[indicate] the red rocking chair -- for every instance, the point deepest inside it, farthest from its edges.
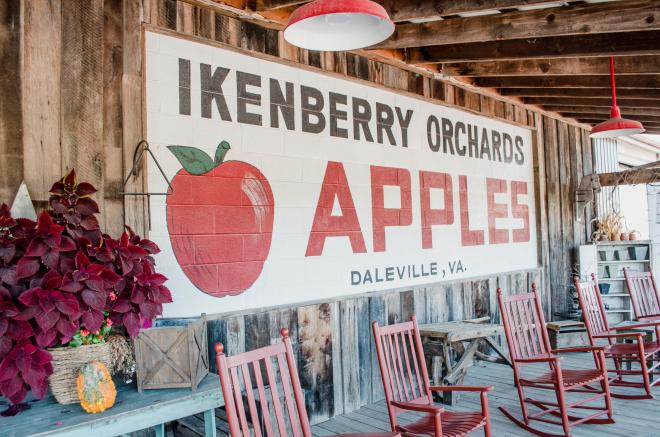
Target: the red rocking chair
(528, 341)
(639, 351)
(249, 414)
(643, 295)
(407, 388)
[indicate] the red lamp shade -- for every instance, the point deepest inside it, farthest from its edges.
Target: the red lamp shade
(334, 25)
(615, 126)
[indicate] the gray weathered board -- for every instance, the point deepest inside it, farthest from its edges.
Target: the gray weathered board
(132, 411)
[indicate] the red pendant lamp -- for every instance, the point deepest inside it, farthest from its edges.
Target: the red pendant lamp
(616, 126)
(334, 25)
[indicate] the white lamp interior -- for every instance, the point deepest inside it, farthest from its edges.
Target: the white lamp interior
(340, 31)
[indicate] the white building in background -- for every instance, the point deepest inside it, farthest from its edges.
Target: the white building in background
(640, 204)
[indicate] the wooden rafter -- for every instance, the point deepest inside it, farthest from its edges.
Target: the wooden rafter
(633, 176)
(651, 94)
(602, 102)
(647, 124)
(597, 118)
(267, 5)
(626, 112)
(634, 43)
(586, 81)
(406, 10)
(625, 65)
(620, 16)
(652, 119)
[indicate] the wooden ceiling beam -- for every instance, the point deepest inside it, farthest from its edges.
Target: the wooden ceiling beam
(624, 65)
(619, 16)
(269, 5)
(602, 117)
(406, 10)
(649, 128)
(634, 43)
(602, 102)
(587, 81)
(598, 119)
(651, 94)
(626, 112)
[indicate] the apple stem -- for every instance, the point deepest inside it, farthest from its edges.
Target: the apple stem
(221, 151)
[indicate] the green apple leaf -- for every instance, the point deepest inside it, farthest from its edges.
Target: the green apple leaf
(195, 161)
(220, 152)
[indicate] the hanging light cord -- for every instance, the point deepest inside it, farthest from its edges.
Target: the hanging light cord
(615, 112)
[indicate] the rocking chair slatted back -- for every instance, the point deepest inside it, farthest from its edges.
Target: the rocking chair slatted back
(524, 325)
(643, 294)
(593, 310)
(256, 405)
(401, 360)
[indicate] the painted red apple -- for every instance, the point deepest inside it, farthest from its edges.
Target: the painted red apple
(220, 220)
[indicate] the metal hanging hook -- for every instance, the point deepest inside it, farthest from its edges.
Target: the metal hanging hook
(140, 149)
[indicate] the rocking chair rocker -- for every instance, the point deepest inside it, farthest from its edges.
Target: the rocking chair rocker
(407, 388)
(639, 351)
(528, 341)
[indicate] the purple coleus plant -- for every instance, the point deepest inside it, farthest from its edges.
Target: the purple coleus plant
(62, 279)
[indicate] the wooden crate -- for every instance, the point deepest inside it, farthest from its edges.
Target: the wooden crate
(172, 354)
(567, 333)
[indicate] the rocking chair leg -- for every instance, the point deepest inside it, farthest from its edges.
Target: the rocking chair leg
(561, 400)
(605, 385)
(484, 412)
(617, 366)
(523, 405)
(645, 369)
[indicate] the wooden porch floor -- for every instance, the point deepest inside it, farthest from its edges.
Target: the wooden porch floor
(633, 418)
(639, 418)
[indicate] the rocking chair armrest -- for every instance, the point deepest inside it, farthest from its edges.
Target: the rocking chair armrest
(461, 388)
(639, 335)
(640, 324)
(543, 359)
(432, 409)
(568, 350)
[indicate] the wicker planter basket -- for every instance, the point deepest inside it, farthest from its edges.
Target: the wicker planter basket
(66, 363)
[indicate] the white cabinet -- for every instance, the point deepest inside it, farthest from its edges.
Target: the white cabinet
(607, 260)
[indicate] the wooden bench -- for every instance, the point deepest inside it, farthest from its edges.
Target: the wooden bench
(132, 411)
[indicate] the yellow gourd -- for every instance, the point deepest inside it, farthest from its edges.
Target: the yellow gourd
(96, 390)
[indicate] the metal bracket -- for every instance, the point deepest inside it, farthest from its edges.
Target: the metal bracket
(140, 149)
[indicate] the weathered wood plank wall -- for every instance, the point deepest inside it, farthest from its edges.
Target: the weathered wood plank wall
(72, 96)
(335, 352)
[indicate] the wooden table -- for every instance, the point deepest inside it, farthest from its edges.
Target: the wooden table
(449, 357)
(132, 411)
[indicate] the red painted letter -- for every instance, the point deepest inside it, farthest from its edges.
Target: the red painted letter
(519, 211)
(468, 237)
(495, 211)
(381, 216)
(327, 225)
(430, 217)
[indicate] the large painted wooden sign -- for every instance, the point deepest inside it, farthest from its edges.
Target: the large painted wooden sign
(292, 185)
